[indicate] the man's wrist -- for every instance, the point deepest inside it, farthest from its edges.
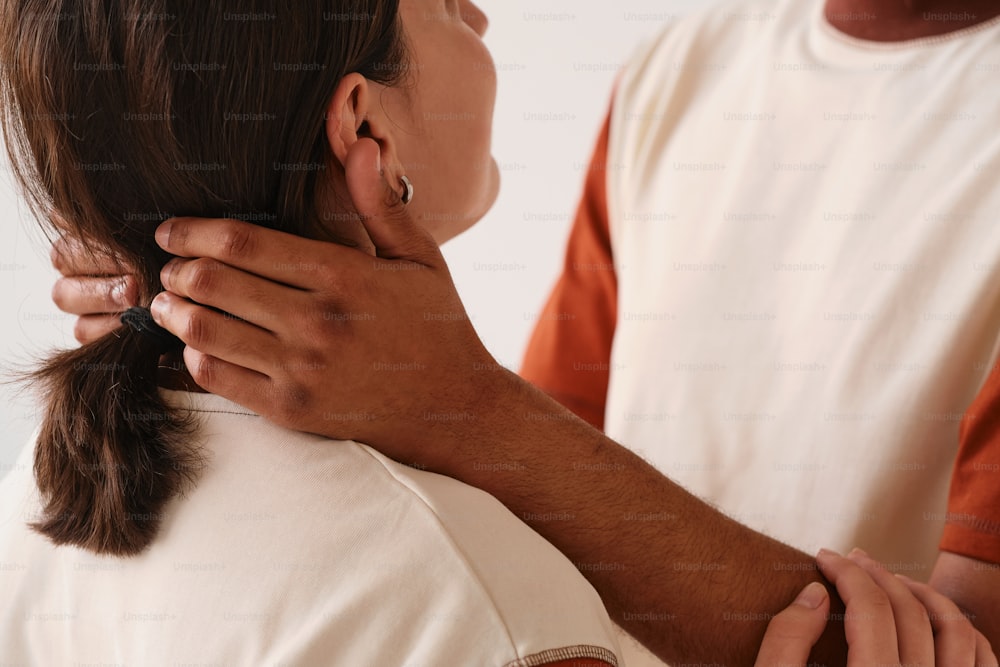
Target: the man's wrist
(486, 426)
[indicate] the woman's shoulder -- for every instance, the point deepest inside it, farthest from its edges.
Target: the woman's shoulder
(535, 590)
(476, 563)
(332, 531)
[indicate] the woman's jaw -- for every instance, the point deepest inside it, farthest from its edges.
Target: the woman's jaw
(435, 127)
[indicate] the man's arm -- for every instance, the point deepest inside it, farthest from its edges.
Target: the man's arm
(688, 582)
(691, 584)
(968, 568)
(973, 585)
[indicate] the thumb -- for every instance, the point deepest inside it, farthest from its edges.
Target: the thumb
(391, 228)
(792, 633)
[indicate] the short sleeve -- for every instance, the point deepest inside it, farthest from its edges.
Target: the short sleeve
(972, 525)
(569, 353)
(578, 663)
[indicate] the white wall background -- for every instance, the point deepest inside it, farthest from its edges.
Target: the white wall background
(553, 57)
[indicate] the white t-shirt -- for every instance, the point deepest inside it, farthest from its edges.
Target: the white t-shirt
(806, 238)
(806, 230)
(295, 550)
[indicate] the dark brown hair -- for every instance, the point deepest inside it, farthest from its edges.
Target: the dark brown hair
(119, 114)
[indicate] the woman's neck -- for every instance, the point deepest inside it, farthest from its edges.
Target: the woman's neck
(899, 20)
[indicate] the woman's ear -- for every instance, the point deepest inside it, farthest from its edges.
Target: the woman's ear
(346, 113)
(350, 116)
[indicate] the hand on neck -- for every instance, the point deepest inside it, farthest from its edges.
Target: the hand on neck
(173, 374)
(900, 20)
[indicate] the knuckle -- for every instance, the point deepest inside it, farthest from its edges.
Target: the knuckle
(291, 400)
(204, 372)
(237, 241)
(327, 274)
(202, 277)
(306, 365)
(197, 329)
(330, 320)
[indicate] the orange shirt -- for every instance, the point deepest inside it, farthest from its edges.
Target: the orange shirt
(972, 527)
(569, 353)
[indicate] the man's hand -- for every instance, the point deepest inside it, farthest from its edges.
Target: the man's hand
(314, 335)
(310, 334)
(331, 340)
(889, 621)
(93, 286)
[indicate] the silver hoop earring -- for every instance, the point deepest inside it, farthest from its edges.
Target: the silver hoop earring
(407, 190)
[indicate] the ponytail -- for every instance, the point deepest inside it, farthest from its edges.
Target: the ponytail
(112, 125)
(110, 453)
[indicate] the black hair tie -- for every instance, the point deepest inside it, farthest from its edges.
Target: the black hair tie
(141, 321)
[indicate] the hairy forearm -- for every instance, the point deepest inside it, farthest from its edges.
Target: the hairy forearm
(688, 582)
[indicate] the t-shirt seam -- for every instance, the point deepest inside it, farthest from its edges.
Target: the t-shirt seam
(967, 541)
(217, 412)
(461, 553)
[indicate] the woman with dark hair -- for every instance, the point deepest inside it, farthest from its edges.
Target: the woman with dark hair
(191, 530)
(169, 526)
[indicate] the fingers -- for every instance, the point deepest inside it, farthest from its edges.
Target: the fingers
(955, 638)
(209, 282)
(393, 231)
(238, 384)
(89, 328)
(214, 334)
(985, 657)
(93, 286)
(792, 633)
(868, 621)
(284, 258)
(71, 258)
(913, 627)
(94, 296)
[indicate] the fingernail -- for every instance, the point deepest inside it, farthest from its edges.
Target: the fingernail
(812, 596)
(163, 234)
(858, 553)
(159, 307)
(827, 553)
(118, 294)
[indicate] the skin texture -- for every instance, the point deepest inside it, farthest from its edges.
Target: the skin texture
(351, 308)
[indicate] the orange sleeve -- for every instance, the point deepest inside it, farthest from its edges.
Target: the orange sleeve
(569, 353)
(972, 526)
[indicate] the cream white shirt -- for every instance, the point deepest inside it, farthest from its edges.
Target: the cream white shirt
(295, 550)
(806, 233)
